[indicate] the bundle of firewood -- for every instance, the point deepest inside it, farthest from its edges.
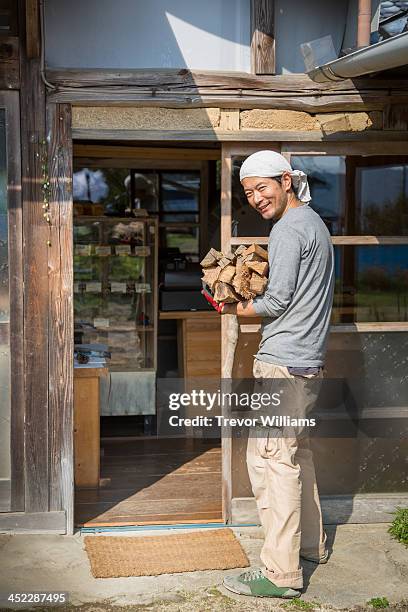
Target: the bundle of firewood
(238, 275)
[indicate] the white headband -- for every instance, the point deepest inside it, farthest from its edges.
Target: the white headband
(269, 164)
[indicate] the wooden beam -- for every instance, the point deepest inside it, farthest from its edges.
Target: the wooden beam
(336, 240)
(240, 99)
(61, 324)
(263, 36)
(33, 522)
(343, 328)
(376, 137)
(9, 62)
(336, 509)
(35, 237)
(197, 89)
(364, 240)
(186, 80)
(33, 36)
(146, 153)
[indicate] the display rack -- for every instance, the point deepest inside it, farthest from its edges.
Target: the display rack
(115, 302)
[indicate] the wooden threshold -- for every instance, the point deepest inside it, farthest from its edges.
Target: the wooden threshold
(154, 482)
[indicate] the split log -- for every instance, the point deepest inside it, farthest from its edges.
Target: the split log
(231, 256)
(258, 284)
(225, 293)
(255, 248)
(242, 281)
(211, 258)
(227, 274)
(252, 257)
(239, 250)
(211, 275)
(260, 267)
(237, 276)
(224, 261)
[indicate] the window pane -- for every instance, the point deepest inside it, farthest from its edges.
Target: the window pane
(382, 200)
(371, 283)
(179, 218)
(108, 187)
(372, 369)
(180, 191)
(146, 190)
(326, 175)
(114, 290)
(5, 400)
(185, 239)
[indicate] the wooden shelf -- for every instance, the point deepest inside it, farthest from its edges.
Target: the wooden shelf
(189, 314)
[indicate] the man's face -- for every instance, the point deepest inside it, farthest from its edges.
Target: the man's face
(266, 195)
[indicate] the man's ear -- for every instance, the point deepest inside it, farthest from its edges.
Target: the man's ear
(286, 181)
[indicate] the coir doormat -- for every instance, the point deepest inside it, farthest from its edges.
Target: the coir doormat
(115, 557)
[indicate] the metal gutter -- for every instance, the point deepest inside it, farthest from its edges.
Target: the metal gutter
(390, 53)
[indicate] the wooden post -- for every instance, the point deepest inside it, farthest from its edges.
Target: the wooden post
(263, 38)
(35, 236)
(33, 36)
(229, 334)
(61, 324)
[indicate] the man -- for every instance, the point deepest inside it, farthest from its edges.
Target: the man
(295, 308)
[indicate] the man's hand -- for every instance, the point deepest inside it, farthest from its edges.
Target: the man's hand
(228, 309)
(242, 309)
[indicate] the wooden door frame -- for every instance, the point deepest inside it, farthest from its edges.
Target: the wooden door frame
(61, 322)
(61, 260)
(10, 102)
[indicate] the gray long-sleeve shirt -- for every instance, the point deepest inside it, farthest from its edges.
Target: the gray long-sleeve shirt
(296, 305)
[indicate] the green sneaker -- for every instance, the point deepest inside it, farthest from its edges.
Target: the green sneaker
(253, 582)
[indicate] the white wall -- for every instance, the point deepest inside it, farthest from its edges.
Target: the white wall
(210, 34)
(301, 21)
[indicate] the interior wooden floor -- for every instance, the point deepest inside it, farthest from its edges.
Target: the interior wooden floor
(153, 481)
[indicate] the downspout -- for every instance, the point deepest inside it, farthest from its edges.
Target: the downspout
(364, 23)
(385, 55)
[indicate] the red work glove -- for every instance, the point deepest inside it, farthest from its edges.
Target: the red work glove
(210, 300)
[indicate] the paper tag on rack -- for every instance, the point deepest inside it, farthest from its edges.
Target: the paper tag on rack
(118, 287)
(102, 251)
(101, 323)
(76, 287)
(93, 287)
(122, 249)
(142, 287)
(142, 251)
(83, 249)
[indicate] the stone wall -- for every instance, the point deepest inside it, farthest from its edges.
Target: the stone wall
(219, 120)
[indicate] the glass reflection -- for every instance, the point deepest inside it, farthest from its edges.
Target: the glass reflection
(5, 399)
(371, 283)
(327, 179)
(382, 200)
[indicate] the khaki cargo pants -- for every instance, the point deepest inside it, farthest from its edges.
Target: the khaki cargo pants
(283, 480)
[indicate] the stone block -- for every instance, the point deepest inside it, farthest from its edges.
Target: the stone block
(264, 119)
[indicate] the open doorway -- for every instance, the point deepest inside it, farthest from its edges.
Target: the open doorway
(143, 219)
